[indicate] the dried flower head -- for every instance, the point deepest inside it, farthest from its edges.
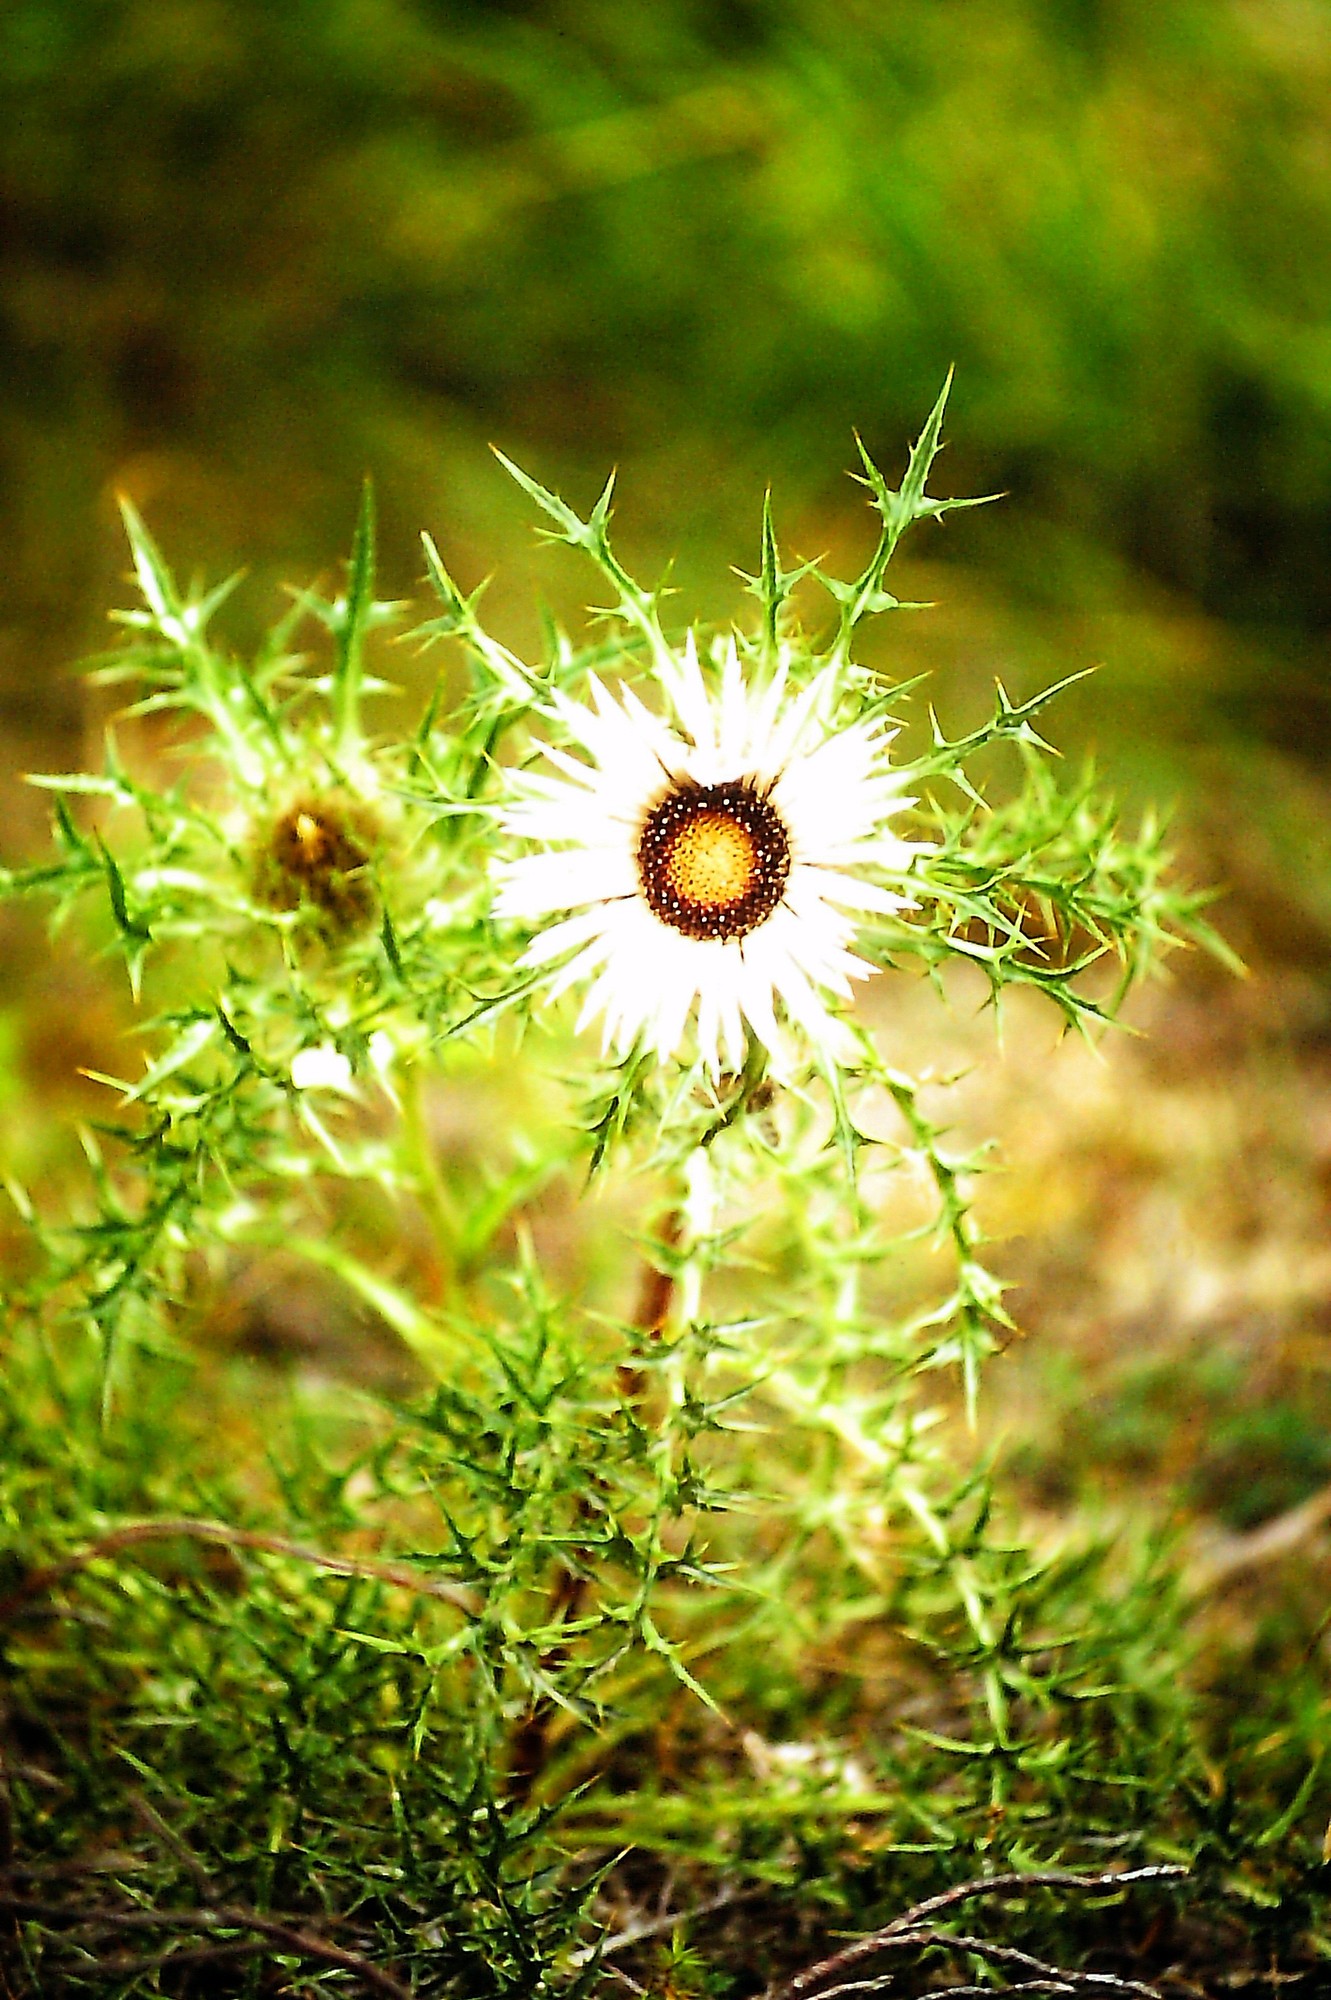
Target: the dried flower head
(317, 854)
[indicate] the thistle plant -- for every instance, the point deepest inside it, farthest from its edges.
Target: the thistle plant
(413, 1706)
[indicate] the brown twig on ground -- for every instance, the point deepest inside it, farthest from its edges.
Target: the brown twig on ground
(1231, 1555)
(107, 1861)
(661, 1926)
(9, 1931)
(133, 1533)
(911, 1932)
(130, 1965)
(290, 1935)
(265, 1930)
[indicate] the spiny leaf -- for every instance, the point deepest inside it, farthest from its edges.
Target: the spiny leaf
(570, 527)
(637, 607)
(154, 578)
(1009, 722)
(115, 883)
(503, 671)
(191, 1042)
(897, 509)
(773, 585)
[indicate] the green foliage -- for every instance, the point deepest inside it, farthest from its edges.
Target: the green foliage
(256, 249)
(401, 1708)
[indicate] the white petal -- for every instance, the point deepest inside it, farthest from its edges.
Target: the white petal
(849, 890)
(677, 991)
(690, 700)
(805, 1008)
(554, 941)
(321, 1068)
(755, 997)
(544, 883)
(790, 727)
(708, 1028)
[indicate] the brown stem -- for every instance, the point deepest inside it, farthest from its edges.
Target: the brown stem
(1038, 1878)
(662, 1926)
(1232, 1555)
(130, 1965)
(221, 1917)
(530, 1748)
(9, 1928)
(656, 1295)
(909, 1932)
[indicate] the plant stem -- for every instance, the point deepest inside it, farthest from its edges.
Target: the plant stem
(431, 1188)
(657, 1285)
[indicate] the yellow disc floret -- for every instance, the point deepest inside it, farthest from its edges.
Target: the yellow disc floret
(712, 860)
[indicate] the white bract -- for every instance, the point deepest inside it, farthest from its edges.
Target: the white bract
(722, 855)
(321, 1068)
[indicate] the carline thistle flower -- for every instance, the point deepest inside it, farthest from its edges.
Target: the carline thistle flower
(719, 855)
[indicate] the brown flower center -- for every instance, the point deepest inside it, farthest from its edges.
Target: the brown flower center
(317, 854)
(713, 860)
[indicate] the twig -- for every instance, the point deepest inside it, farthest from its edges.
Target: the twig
(997, 1993)
(10, 1930)
(1058, 1979)
(34, 1774)
(183, 1853)
(221, 1917)
(618, 1972)
(660, 1926)
(136, 1532)
(910, 1933)
(1037, 1878)
(130, 1966)
(884, 1980)
(1235, 1553)
(109, 1861)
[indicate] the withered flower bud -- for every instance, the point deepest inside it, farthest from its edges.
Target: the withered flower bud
(317, 855)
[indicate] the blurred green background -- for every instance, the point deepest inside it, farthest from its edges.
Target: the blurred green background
(249, 251)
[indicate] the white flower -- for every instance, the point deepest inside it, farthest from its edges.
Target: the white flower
(321, 1068)
(710, 857)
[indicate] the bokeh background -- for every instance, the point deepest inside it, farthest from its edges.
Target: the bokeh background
(249, 252)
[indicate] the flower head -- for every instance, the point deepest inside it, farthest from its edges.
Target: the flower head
(316, 854)
(715, 856)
